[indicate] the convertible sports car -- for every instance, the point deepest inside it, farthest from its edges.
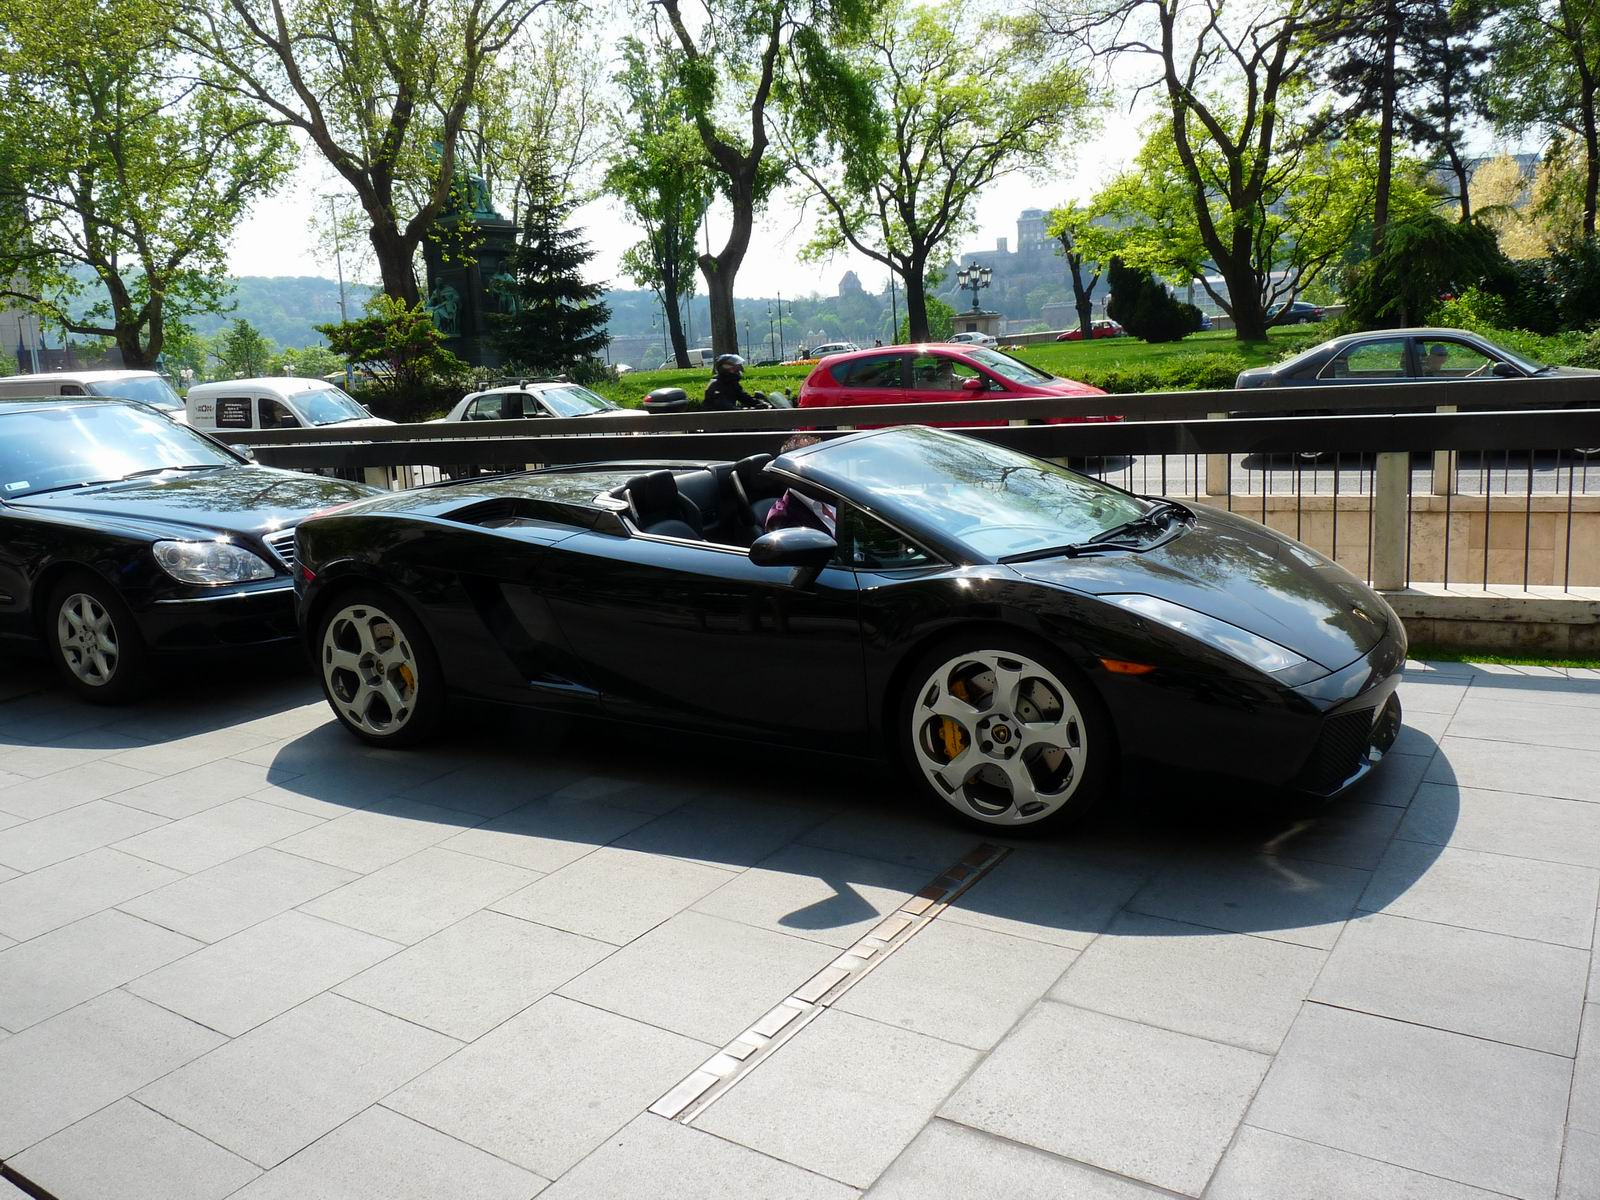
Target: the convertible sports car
(124, 536)
(1009, 628)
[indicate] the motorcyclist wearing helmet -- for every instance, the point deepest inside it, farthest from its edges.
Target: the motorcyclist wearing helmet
(725, 392)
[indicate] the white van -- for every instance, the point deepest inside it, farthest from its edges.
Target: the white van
(144, 386)
(276, 402)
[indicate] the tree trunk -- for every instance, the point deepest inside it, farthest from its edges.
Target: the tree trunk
(1245, 306)
(395, 265)
(719, 300)
(1591, 162)
(1387, 87)
(1083, 297)
(1459, 168)
(680, 344)
(134, 355)
(720, 271)
(916, 306)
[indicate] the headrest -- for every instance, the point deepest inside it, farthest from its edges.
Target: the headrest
(654, 491)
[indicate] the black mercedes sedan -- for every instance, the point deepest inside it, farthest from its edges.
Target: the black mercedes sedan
(125, 537)
(1010, 630)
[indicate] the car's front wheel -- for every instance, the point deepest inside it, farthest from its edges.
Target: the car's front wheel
(95, 641)
(379, 670)
(1007, 734)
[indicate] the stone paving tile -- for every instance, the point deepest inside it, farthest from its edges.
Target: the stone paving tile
(6, 819)
(1393, 782)
(1432, 697)
(173, 756)
(1505, 823)
(1347, 833)
(1045, 897)
(1487, 985)
(1577, 693)
(420, 895)
(186, 793)
(723, 831)
(1580, 1166)
(1138, 1101)
(30, 798)
(370, 839)
(666, 1161)
(1548, 902)
(1473, 1111)
(1420, 732)
(197, 843)
(77, 962)
(549, 833)
(127, 1152)
(640, 793)
(235, 984)
(497, 786)
(43, 900)
(1488, 717)
(551, 1084)
(1244, 991)
(843, 1098)
(1289, 900)
(959, 983)
(64, 753)
(465, 980)
(702, 976)
(381, 1155)
(1511, 767)
(283, 1085)
(1584, 1112)
(614, 895)
(911, 836)
(952, 1160)
(49, 840)
(237, 894)
(63, 1069)
(1261, 1164)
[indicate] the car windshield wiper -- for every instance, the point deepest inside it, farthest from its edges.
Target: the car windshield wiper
(161, 470)
(1070, 550)
(1152, 519)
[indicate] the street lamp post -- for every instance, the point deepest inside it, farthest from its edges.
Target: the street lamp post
(894, 312)
(973, 276)
(749, 346)
(338, 266)
(772, 335)
(781, 353)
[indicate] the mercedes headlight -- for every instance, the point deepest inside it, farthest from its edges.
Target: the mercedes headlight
(210, 563)
(1247, 647)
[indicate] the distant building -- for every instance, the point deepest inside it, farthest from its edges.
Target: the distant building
(850, 285)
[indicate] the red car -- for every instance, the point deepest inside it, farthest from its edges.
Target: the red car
(1100, 329)
(932, 373)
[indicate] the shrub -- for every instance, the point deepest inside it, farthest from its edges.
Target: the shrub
(1143, 306)
(416, 369)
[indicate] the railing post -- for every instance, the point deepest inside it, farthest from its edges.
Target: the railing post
(377, 477)
(1218, 466)
(1391, 493)
(1444, 464)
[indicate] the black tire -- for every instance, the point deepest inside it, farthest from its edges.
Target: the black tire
(98, 649)
(1067, 790)
(384, 642)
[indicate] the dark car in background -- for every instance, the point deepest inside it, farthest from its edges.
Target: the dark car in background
(1422, 355)
(125, 537)
(1298, 312)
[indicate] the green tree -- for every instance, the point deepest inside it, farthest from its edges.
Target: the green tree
(400, 352)
(1422, 258)
(1073, 228)
(559, 322)
(242, 352)
(660, 174)
(382, 89)
(941, 323)
(115, 170)
(951, 103)
(307, 362)
(1141, 304)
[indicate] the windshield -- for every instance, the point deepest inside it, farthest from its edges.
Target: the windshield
(1520, 360)
(45, 449)
(995, 501)
(573, 401)
(327, 406)
(146, 389)
(1007, 367)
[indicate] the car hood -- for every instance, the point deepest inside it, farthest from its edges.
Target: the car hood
(254, 500)
(1246, 575)
(1569, 373)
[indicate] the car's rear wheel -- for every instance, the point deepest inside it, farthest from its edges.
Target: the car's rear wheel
(95, 642)
(1006, 734)
(379, 670)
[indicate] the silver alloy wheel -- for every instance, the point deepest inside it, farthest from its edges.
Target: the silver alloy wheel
(370, 669)
(1000, 737)
(87, 637)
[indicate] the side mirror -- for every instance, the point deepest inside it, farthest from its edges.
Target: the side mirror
(1504, 370)
(244, 451)
(806, 550)
(976, 384)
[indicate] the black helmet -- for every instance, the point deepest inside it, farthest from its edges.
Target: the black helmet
(727, 363)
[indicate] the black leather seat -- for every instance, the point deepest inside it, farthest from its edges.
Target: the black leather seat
(657, 507)
(757, 490)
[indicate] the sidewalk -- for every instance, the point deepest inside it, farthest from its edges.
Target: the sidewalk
(242, 956)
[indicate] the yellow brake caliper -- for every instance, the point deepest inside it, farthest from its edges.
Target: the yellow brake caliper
(950, 732)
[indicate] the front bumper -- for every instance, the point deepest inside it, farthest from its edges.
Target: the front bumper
(261, 615)
(1361, 720)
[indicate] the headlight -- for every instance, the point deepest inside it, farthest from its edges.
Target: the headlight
(1247, 647)
(210, 563)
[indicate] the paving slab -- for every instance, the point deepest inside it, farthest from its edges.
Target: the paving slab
(62, 968)
(1432, 695)
(236, 984)
(1346, 833)
(1512, 767)
(197, 843)
(1394, 782)
(551, 1084)
(47, 899)
(1046, 897)
(30, 799)
(63, 1069)
(667, 1161)
(174, 756)
(843, 1098)
(1244, 991)
(1473, 1111)
(285, 1084)
(206, 785)
(723, 831)
(614, 895)
(1147, 1103)
(911, 835)
(1420, 732)
(381, 1155)
(1261, 1164)
(702, 976)
(64, 753)
(465, 980)
(127, 1152)
(952, 1160)
(549, 833)
(47, 840)
(237, 894)
(1524, 826)
(497, 786)
(369, 839)
(1506, 989)
(420, 895)
(1580, 1166)
(1547, 902)
(1584, 1112)
(1488, 717)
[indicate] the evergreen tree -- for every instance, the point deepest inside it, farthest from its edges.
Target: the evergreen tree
(559, 323)
(1141, 304)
